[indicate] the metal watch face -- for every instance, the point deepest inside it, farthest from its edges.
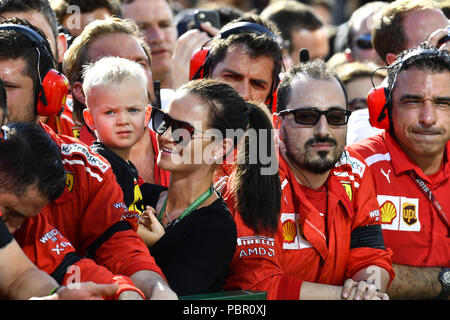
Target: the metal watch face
(446, 277)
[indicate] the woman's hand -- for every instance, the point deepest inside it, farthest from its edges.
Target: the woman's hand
(150, 229)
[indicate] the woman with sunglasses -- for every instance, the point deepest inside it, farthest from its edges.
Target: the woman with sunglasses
(192, 235)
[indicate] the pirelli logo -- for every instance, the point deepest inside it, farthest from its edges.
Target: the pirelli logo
(255, 246)
(243, 241)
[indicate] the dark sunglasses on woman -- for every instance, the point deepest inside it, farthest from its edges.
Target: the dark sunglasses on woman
(161, 121)
(364, 42)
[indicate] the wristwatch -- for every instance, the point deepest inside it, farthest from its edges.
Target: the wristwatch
(444, 279)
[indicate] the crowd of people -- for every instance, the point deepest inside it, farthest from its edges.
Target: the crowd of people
(155, 149)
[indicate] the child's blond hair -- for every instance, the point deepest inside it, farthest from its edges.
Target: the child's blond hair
(112, 71)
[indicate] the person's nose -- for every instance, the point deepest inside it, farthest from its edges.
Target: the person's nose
(123, 118)
(427, 116)
(153, 34)
(245, 90)
(321, 129)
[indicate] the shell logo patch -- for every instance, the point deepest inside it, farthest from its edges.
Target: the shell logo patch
(289, 231)
(388, 212)
(399, 213)
(409, 213)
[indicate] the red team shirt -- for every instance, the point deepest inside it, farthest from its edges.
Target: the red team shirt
(91, 214)
(412, 227)
(52, 253)
(310, 245)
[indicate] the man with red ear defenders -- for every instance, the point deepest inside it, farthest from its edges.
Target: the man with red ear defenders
(247, 55)
(410, 164)
(51, 86)
(90, 212)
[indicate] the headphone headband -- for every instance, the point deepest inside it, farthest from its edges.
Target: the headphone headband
(245, 27)
(35, 38)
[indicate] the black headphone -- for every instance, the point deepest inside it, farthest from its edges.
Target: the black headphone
(53, 85)
(200, 60)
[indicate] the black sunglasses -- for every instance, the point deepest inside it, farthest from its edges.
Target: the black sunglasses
(357, 103)
(364, 42)
(161, 121)
(311, 116)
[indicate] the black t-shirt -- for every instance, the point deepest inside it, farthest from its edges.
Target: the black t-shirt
(195, 252)
(5, 236)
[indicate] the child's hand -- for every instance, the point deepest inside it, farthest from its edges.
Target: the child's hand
(150, 229)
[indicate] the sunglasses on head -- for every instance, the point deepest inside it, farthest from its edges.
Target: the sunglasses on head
(364, 42)
(311, 116)
(161, 121)
(357, 103)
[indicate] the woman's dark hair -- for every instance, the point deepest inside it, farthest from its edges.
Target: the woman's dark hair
(255, 183)
(29, 157)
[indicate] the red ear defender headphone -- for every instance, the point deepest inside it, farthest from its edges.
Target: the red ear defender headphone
(53, 85)
(199, 63)
(379, 99)
(377, 103)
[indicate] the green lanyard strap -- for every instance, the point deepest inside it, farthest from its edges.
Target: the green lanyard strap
(194, 205)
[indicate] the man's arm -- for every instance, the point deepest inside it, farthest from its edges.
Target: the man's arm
(19, 278)
(368, 284)
(415, 283)
(153, 285)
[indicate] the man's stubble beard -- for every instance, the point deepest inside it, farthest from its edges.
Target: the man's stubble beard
(303, 157)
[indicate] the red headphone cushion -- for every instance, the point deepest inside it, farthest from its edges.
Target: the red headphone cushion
(376, 103)
(56, 88)
(197, 62)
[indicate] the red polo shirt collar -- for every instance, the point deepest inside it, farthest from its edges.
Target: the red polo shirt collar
(401, 162)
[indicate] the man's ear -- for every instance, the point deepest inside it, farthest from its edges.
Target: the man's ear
(276, 119)
(61, 43)
(277, 123)
(390, 58)
(148, 113)
(78, 93)
(87, 115)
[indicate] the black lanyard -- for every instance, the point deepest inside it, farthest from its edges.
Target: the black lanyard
(429, 194)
